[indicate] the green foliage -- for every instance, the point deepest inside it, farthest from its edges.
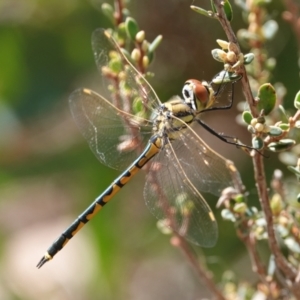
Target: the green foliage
(108, 11)
(247, 117)
(297, 101)
(266, 98)
(132, 28)
(202, 11)
(228, 10)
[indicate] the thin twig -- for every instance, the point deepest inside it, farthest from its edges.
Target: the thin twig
(250, 242)
(295, 118)
(259, 171)
(232, 38)
(257, 265)
(203, 274)
(262, 189)
(248, 239)
(118, 15)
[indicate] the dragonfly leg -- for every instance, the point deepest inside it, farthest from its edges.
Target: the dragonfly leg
(225, 138)
(228, 106)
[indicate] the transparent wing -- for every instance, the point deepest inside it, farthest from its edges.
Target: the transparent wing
(222, 84)
(205, 168)
(115, 137)
(170, 197)
(127, 89)
(180, 171)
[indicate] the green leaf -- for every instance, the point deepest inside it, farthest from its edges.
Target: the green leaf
(150, 56)
(121, 34)
(206, 13)
(257, 143)
(295, 170)
(239, 198)
(270, 65)
(282, 145)
(282, 230)
(163, 227)
(248, 58)
(272, 266)
(292, 245)
(266, 98)
(219, 55)
(240, 208)
(155, 44)
(251, 129)
(225, 76)
(297, 101)
(247, 117)
(269, 29)
(108, 11)
(228, 215)
(137, 105)
(228, 10)
(213, 8)
(284, 126)
(115, 65)
(276, 204)
(152, 47)
(275, 131)
(132, 28)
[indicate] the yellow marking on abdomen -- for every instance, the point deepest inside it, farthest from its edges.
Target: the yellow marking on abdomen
(80, 225)
(132, 171)
(115, 189)
(97, 208)
(65, 242)
(152, 151)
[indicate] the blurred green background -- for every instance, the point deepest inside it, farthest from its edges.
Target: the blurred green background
(48, 174)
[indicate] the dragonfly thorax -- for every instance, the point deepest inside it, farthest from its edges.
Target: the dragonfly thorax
(172, 117)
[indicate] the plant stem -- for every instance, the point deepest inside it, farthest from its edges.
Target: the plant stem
(232, 38)
(118, 15)
(259, 172)
(202, 273)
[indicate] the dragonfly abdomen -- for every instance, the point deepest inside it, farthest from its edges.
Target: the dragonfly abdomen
(151, 150)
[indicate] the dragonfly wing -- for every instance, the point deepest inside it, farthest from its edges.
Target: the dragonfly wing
(206, 169)
(170, 196)
(116, 138)
(128, 88)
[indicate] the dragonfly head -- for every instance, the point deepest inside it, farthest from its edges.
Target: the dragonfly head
(196, 94)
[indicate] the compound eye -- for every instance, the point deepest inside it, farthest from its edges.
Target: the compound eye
(200, 91)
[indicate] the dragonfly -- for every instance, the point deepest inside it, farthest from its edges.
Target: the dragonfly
(131, 129)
